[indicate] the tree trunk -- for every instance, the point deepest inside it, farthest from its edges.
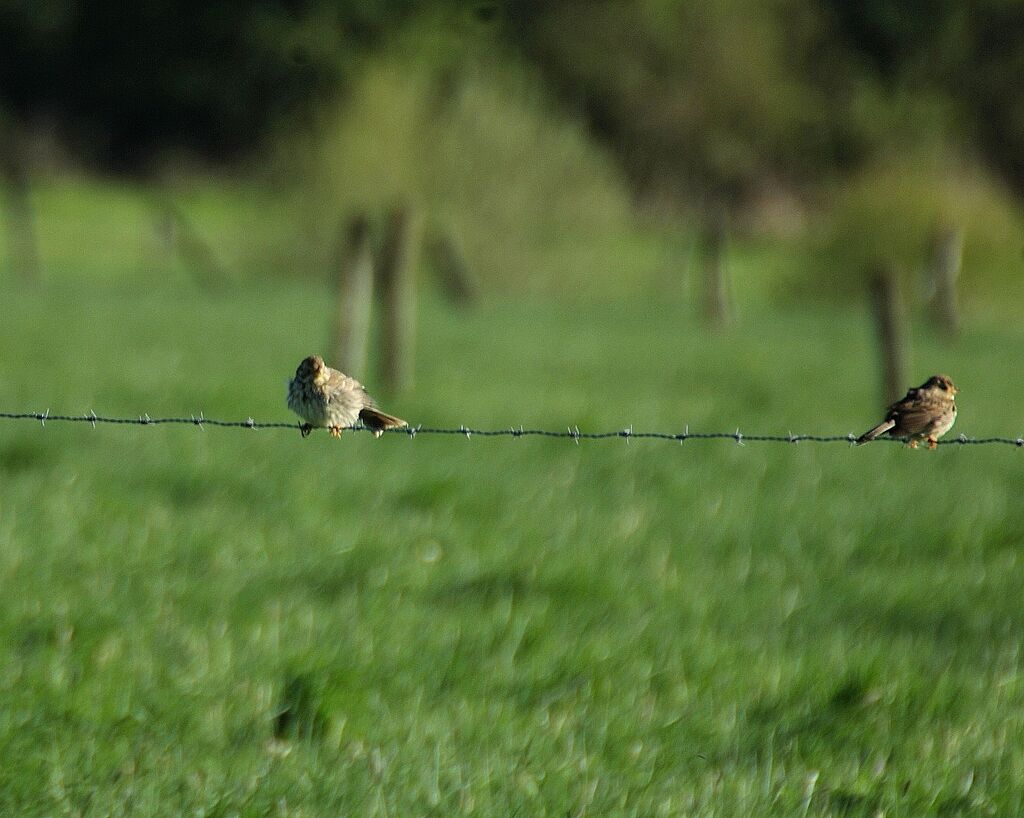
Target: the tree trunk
(398, 289)
(892, 332)
(174, 226)
(355, 297)
(22, 245)
(717, 303)
(945, 263)
(449, 265)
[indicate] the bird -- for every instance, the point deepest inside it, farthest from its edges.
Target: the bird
(927, 412)
(326, 398)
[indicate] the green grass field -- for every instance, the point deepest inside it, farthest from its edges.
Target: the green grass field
(227, 622)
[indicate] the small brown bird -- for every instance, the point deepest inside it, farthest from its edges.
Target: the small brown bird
(326, 398)
(926, 413)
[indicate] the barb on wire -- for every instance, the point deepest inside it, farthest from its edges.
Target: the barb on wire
(571, 432)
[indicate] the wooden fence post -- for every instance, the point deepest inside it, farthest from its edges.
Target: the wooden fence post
(717, 304)
(398, 288)
(181, 236)
(945, 262)
(892, 331)
(354, 297)
(449, 265)
(22, 244)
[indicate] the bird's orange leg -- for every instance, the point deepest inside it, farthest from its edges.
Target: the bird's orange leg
(912, 444)
(335, 431)
(933, 443)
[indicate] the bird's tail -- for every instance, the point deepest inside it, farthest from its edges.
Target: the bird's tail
(880, 429)
(378, 422)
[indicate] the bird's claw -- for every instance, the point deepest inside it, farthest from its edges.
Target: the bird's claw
(335, 431)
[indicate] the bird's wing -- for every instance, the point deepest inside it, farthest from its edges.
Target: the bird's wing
(339, 380)
(914, 416)
(342, 389)
(905, 403)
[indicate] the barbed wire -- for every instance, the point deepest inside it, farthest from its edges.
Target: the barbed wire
(571, 432)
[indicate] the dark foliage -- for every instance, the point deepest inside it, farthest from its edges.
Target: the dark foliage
(707, 99)
(124, 80)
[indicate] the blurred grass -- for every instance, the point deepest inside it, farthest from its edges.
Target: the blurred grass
(231, 622)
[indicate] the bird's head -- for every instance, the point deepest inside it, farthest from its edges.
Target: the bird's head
(941, 383)
(311, 368)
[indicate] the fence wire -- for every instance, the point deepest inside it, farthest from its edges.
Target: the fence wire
(570, 433)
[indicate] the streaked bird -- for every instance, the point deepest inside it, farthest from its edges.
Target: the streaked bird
(328, 399)
(925, 413)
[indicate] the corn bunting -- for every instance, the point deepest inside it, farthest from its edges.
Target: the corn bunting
(326, 398)
(926, 413)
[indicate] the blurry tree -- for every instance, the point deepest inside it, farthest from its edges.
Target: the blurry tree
(705, 101)
(972, 54)
(716, 98)
(450, 118)
(702, 99)
(15, 203)
(993, 87)
(123, 80)
(892, 211)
